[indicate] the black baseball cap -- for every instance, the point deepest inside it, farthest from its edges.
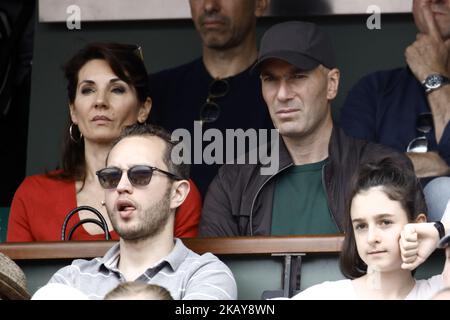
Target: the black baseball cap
(301, 44)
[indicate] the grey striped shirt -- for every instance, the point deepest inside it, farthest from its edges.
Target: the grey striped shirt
(184, 273)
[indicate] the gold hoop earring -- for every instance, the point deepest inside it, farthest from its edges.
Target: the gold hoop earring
(71, 135)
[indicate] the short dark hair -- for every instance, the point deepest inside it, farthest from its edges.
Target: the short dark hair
(145, 129)
(133, 288)
(399, 183)
(126, 62)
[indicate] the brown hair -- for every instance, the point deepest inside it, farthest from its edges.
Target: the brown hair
(126, 62)
(134, 289)
(138, 129)
(399, 183)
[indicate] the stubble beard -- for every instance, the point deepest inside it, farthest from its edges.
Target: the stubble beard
(221, 39)
(151, 222)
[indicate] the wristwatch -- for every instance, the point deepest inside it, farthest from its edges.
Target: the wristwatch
(434, 81)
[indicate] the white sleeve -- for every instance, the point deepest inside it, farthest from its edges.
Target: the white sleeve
(312, 293)
(446, 215)
(328, 290)
(426, 288)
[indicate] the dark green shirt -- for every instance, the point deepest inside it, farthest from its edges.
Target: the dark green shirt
(300, 204)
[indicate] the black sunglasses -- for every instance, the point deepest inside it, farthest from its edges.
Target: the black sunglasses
(424, 125)
(210, 111)
(139, 176)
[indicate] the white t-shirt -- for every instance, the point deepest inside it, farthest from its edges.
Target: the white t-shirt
(343, 290)
(444, 242)
(446, 215)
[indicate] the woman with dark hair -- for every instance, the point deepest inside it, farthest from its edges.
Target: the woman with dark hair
(107, 90)
(386, 236)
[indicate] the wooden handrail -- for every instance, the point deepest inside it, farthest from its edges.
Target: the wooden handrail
(217, 246)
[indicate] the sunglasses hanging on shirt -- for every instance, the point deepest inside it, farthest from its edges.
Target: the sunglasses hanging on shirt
(210, 110)
(424, 125)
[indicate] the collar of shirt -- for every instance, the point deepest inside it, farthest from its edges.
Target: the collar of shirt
(175, 258)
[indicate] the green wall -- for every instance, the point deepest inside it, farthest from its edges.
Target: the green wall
(253, 274)
(170, 43)
(4, 214)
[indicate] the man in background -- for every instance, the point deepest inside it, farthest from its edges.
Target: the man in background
(216, 90)
(408, 108)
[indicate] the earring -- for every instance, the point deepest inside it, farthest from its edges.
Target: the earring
(103, 203)
(71, 135)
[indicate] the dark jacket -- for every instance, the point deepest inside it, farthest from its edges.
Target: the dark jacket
(383, 107)
(239, 200)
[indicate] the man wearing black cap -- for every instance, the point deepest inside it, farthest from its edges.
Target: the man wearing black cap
(308, 193)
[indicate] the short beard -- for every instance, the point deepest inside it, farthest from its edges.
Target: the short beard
(152, 222)
(228, 40)
(215, 43)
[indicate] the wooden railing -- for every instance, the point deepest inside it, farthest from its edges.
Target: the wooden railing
(217, 246)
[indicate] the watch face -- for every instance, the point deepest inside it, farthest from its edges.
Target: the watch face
(433, 81)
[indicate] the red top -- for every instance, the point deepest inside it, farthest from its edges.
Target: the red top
(41, 204)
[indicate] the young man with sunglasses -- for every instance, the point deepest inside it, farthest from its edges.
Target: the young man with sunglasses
(143, 188)
(216, 90)
(309, 192)
(409, 108)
